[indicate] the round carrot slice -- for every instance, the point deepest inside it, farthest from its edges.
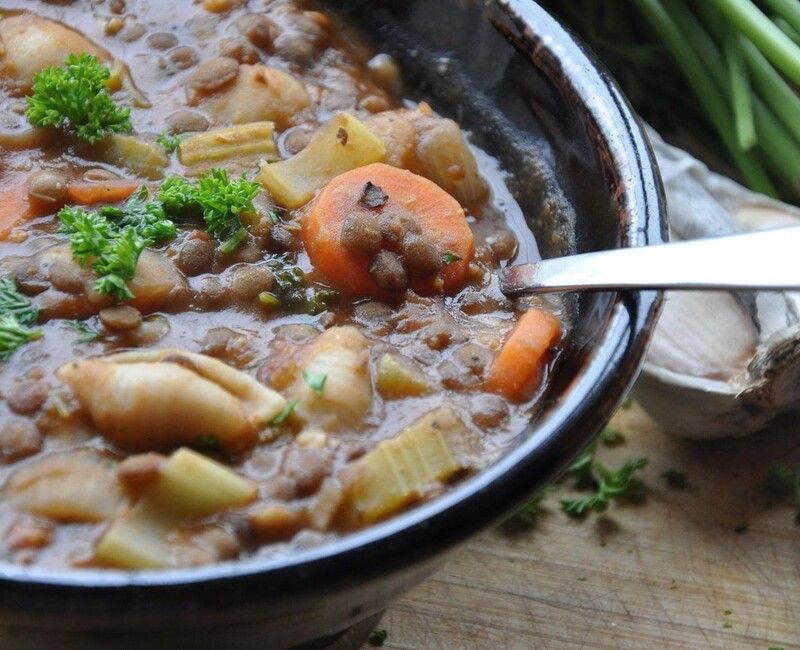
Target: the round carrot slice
(518, 365)
(438, 215)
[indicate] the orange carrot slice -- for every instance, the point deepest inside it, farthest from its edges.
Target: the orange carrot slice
(107, 192)
(518, 366)
(14, 207)
(439, 216)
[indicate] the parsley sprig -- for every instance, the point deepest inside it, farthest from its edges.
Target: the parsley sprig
(17, 315)
(113, 239)
(75, 95)
(220, 200)
(611, 484)
(783, 482)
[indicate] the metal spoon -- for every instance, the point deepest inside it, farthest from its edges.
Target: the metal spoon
(767, 260)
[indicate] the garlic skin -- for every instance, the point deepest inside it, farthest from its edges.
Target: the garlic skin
(720, 364)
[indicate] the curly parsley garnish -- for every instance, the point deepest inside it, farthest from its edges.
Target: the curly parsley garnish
(75, 96)
(616, 484)
(17, 315)
(169, 142)
(220, 200)
(114, 238)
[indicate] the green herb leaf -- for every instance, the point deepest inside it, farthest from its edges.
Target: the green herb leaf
(14, 334)
(75, 95)
(89, 232)
(315, 380)
(223, 201)
(378, 637)
(674, 478)
(13, 303)
(618, 484)
(117, 263)
(148, 218)
(285, 413)
(448, 257)
(291, 287)
(612, 437)
(85, 333)
(169, 142)
(232, 243)
(582, 468)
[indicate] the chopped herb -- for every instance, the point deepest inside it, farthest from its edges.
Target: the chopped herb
(220, 200)
(208, 442)
(617, 484)
(85, 333)
(13, 303)
(776, 647)
(291, 288)
(315, 380)
(148, 218)
(169, 142)
(373, 196)
(674, 478)
(232, 243)
(782, 482)
(223, 201)
(378, 637)
(741, 527)
(14, 334)
(582, 468)
(286, 411)
(117, 264)
(269, 299)
(178, 196)
(273, 216)
(114, 237)
(728, 612)
(611, 437)
(448, 257)
(17, 315)
(75, 95)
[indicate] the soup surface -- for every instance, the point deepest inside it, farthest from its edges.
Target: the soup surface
(247, 300)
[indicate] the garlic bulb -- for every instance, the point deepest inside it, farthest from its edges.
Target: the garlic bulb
(720, 364)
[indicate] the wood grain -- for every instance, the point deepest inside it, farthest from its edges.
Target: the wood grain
(668, 573)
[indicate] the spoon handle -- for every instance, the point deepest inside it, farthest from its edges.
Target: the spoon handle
(765, 260)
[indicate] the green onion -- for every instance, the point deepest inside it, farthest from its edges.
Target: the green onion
(704, 87)
(776, 46)
(741, 96)
(788, 10)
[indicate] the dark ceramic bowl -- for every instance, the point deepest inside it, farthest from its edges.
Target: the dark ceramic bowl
(582, 169)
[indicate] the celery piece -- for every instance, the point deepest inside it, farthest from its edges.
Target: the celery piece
(239, 141)
(342, 144)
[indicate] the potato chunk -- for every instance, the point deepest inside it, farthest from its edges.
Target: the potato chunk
(189, 487)
(259, 93)
(142, 401)
(342, 144)
(30, 43)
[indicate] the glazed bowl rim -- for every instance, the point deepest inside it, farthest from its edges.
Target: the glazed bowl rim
(595, 391)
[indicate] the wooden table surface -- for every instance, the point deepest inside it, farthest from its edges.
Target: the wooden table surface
(668, 573)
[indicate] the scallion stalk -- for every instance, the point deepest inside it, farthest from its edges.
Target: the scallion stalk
(767, 36)
(789, 10)
(741, 94)
(707, 91)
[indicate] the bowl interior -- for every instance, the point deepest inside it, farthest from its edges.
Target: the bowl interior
(582, 171)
